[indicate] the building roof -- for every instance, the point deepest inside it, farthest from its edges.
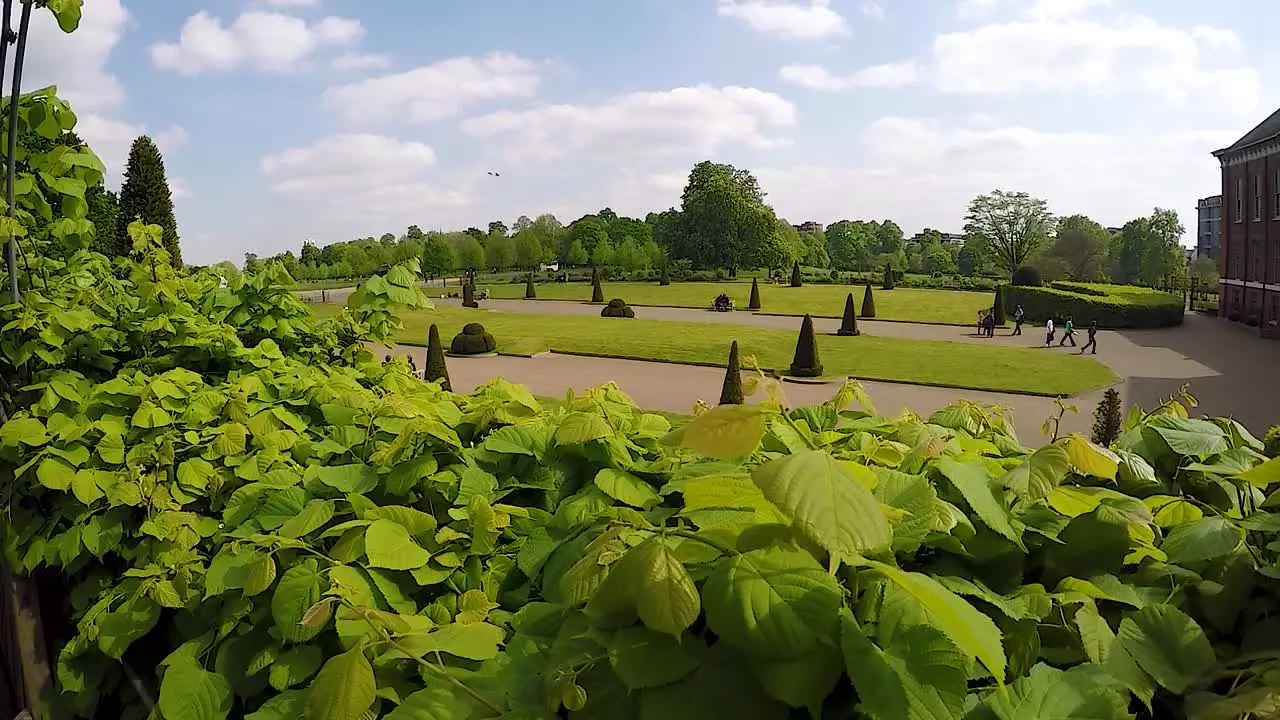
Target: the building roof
(1265, 130)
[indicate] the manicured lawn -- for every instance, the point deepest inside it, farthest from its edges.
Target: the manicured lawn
(985, 367)
(918, 305)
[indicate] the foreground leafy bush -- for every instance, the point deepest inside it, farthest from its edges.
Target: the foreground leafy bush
(1112, 306)
(473, 339)
(253, 531)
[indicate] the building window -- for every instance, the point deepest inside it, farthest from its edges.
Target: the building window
(1257, 197)
(1275, 197)
(1239, 198)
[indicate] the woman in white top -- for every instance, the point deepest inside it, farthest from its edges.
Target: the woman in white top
(1048, 336)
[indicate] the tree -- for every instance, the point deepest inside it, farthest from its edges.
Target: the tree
(1010, 224)
(849, 323)
(145, 195)
(521, 224)
(1081, 245)
(1147, 250)
(527, 248)
(467, 251)
(597, 293)
(888, 277)
(602, 255)
(589, 231)
(437, 256)
(577, 254)
(1205, 272)
(1108, 418)
(731, 391)
(530, 292)
(849, 244)
(754, 303)
(796, 279)
(103, 213)
(497, 227)
(889, 237)
(868, 303)
(499, 252)
(663, 277)
(724, 217)
(435, 367)
(805, 362)
(778, 249)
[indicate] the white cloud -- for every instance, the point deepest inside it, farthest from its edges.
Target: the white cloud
(873, 9)
(816, 77)
(789, 19)
(437, 91)
(970, 9)
(268, 41)
(291, 3)
(688, 121)
(361, 61)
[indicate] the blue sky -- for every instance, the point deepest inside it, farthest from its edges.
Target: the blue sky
(283, 120)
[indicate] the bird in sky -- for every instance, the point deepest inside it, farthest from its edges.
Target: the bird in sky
(494, 174)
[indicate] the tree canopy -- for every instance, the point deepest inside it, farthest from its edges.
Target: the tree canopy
(1011, 224)
(145, 195)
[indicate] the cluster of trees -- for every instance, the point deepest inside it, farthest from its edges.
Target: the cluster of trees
(725, 222)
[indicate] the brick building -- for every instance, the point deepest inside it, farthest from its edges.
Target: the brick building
(1249, 256)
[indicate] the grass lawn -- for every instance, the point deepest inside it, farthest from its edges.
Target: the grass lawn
(914, 304)
(978, 366)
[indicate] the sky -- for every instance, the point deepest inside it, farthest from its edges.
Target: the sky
(287, 120)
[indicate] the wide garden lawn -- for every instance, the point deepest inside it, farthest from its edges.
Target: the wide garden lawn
(913, 304)
(978, 366)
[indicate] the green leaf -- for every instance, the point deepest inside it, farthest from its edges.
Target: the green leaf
(151, 416)
(1193, 438)
(389, 545)
(312, 518)
(279, 507)
(434, 703)
(1088, 458)
(475, 641)
(55, 473)
(719, 688)
(289, 705)
(923, 675)
(1205, 539)
(344, 689)
(260, 574)
(726, 432)
(626, 488)
(1263, 474)
(772, 603)
(974, 484)
(651, 582)
(971, 631)
(299, 589)
(1040, 474)
(354, 478)
(829, 506)
(643, 658)
(194, 472)
(67, 12)
(578, 428)
(1168, 645)
(189, 692)
(85, 486)
(1096, 635)
(802, 682)
(27, 431)
(1084, 691)
(294, 666)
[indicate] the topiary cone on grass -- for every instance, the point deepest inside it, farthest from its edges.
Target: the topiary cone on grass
(663, 277)
(597, 294)
(731, 392)
(1107, 418)
(888, 277)
(868, 303)
(795, 275)
(998, 305)
(529, 292)
(436, 368)
(754, 303)
(849, 323)
(806, 363)
(469, 296)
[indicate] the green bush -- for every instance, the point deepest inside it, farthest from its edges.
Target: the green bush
(796, 280)
(436, 369)
(888, 280)
(597, 293)
(1108, 418)
(754, 302)
(617, 308)
(473, 340)
(530, 293)
(1120, 306)
(1271, 441)
(1027, 276)
(805, 362)
(868, 303)
(731, 390)
(849, 321)
(997, 305)
(469, 295)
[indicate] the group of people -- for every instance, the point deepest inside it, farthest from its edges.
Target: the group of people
(412, 365)
(987, 328)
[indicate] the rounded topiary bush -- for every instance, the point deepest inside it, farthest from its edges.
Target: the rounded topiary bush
(473, 340)
(617, 307)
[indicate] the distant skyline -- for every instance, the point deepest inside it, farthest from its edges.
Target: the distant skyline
(282, 120)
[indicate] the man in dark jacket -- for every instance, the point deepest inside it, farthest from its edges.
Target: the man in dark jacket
(1092, 345)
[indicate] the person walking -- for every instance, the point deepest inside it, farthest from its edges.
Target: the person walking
(1048, 333)
(1068, 333)
(1092, 345)
(982, 319)
(990, 324)
(1018, 316)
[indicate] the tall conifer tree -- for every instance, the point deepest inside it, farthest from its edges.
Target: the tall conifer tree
(145, 194)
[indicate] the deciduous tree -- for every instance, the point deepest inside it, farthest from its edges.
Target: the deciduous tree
(1081, 244)
(724, 216)
(437, 255)
(1011, 225)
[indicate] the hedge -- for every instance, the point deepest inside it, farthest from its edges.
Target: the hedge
(1112, 306)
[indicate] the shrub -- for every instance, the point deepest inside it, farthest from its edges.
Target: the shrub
(1271, 441)
(805, 362)
(529, 292)
(617, 308)
(795, 275)
(1027, 276)
(754, 303)
(469, 295)
(731, 391)
(997, 305)
(849, 323)
(473, 340)
(1108, 418)
(664, 278)
(1078, 288)
(436, 369)
(597, 293)
(1121, 306)
(868, 303)
(888, 278)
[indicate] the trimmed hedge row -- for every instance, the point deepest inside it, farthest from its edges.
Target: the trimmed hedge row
(1113, 307)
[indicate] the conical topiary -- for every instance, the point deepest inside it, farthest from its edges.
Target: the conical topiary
(1108, 418)
(795, 275)
(529, 292)
(754, 303)
(805, 363)
(597, 294)
(436, 369)
(868, 303)
(731, 392)
(469, 296)
(145, 195)
(888, 277)
(998, 305)
(663, 277)
(849, 323)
